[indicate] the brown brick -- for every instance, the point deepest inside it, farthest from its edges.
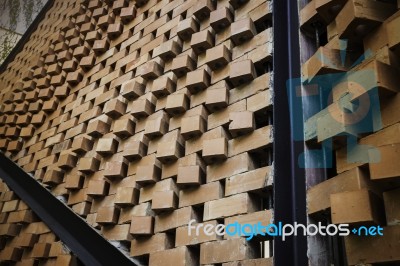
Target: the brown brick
(82, 144)
(186, 28)
(142, 108)
(217, 99)
(181, 256)
(127, 14)
(198, 195)
(164, 201)
(67, 161)
(107, 215)
(220, 18)
(41, 250)
(150, 70)
(100, 46)
(218, 56)
(354, 207)
(170, 220)
(9, 254)
(88, 165)
(74, 181)
(126, 196)
(241, 72)
(197, 80)
(386, 168)
(226, 250)
(142, 225)
(134, 150)
(156, 127)
(182, 64)
(148, 174)
(232, 166)
(97, 128)
(201, 41)
(163, 86)
(146, 245)
(98, 188)
(115, 170)
(202, 9)
(177, 104)
(242, 31)
(167, 50)
(107, 146)
(132, 89)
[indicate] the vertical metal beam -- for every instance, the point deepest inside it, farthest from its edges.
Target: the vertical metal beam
(90, 247)
(289, 179)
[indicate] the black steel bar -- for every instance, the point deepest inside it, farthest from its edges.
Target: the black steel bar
(289, 178)
(27, 34)
(90, 247)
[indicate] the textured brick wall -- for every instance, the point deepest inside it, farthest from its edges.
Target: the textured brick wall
(144, 115)
(363, 188)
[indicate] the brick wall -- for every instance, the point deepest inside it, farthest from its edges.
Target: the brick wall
(144, 115)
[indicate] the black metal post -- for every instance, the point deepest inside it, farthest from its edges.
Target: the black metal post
(289, 179)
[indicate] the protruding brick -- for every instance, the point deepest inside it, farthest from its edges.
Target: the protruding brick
(107, 215)
(242, 72)
(217, 99)
(169, 151)
(215, 150)
(182, 64)
(142, 225)
(218, 57)
(197, 80)
(148, 174)
(193, 126)
(115, 170)
(107, 146)
(88, 165)
(242, 31)
(186, 28)
(220, 18)
(201, 41)
(164, 201)
(98, 188)
(114, 108)
(177, 104)
(132, 89)
(126, 196)
(241, 123)
(150, 70)
(202, 9)
(163, 86)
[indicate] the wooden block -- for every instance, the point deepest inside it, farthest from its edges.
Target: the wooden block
(242, 31)
(226, 250)
(355, 207)
(229, 206)
(242, 72)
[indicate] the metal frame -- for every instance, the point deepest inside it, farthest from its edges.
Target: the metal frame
(90, 247)
(289, 178)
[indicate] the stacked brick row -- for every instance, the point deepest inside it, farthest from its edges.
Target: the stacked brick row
(24, 238)
(365, 189)
(145, 115)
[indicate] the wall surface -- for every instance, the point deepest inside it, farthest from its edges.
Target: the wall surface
(144, 115)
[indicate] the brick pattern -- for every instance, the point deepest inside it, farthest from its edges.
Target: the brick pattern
(359, 193)
(147, 114)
